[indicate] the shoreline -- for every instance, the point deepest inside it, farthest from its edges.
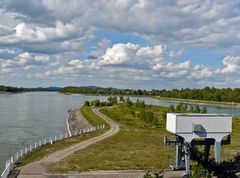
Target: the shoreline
(187, 101)
(200, 102)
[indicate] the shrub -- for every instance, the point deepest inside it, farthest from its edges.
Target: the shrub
(198, 171)
(87, 103)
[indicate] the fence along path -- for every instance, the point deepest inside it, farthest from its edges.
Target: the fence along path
(10, 163)
(40, 168)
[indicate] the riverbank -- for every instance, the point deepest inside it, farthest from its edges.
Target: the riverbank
(41, 167)
(76, 122)
(187, 101)
(201, 102)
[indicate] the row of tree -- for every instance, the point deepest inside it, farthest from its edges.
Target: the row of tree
(207, 93)
(182, 107)
(21, 89)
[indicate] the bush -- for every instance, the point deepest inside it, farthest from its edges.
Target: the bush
(143, 115)
(149, 117)
(133, 113)
(110, 103)
(198, 171)
(103, 103)
(96, 102)
(87, 103)
(158, 174)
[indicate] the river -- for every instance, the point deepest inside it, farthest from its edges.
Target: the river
(28, 117)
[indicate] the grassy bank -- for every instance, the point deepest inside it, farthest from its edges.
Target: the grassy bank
(59, 145)
(138, 145)
(92, 118)
(219, 103)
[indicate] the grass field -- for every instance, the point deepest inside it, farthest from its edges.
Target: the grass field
(92, 118)
(138, 145)
(48, 149)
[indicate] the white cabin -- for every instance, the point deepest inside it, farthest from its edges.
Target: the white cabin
(180, 123)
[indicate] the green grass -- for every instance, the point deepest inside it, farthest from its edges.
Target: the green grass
(92, 118)
(59, 145)
(138, 145)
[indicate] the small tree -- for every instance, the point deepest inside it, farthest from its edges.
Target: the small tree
(121, 99)
(96, 103)
(87, 103)
(143, 115)
(114, 99)
(191, 108)
(129, 103)
(171, 108)
(204, 110)
(197, 109)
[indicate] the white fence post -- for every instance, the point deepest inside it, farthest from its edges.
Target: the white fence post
(17, 155)
(50, 140)
(25, 150)
(55, 138)
(35, 146)
(30, 148)
(21, 152)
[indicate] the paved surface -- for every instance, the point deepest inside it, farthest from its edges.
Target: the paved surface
(40, 169)
(77, 122)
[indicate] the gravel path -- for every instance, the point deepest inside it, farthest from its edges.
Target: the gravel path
(40, 169)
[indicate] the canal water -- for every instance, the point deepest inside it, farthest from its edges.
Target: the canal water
(28, 117)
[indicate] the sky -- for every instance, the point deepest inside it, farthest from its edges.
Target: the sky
(144, 44)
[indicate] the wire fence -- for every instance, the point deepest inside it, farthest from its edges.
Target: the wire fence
(37, 145)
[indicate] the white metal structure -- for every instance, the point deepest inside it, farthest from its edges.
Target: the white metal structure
(191, 126)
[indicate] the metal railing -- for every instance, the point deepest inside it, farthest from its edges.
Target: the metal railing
(37, 145)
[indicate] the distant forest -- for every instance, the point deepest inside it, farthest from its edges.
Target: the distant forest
(21, 89)
(207, 93)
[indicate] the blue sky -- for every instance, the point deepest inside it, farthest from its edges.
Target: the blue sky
(120, 43)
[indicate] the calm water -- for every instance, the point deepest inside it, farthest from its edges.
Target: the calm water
(28, 117)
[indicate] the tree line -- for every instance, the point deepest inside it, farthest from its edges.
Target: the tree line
(207, 93)
(10, 89)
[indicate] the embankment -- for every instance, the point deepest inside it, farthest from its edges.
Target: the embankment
(76, 122)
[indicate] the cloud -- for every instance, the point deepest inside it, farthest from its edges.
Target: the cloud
(194, 23)
(231, 64)
(28, 34)
(157, 31)
(131, 61)
(7, 53)
(25, 61)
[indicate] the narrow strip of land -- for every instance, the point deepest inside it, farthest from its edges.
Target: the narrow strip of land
(40, 168)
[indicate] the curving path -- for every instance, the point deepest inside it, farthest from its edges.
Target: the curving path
(40, 169)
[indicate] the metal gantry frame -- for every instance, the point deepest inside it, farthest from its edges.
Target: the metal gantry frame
(183, 151)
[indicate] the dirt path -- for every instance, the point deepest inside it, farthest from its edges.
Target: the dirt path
(40, 169)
